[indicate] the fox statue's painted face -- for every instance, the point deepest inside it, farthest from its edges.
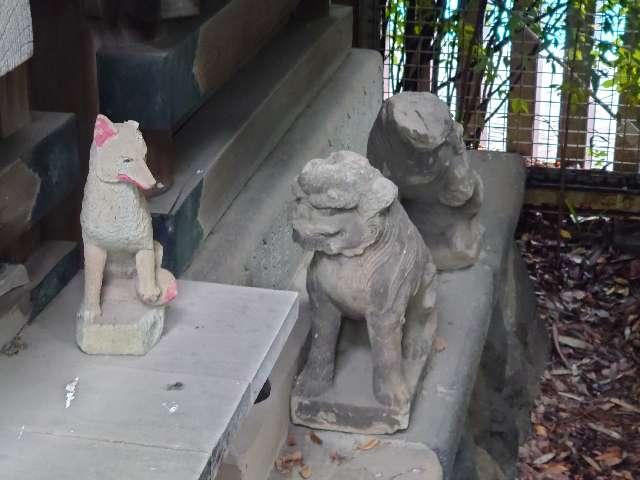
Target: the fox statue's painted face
(340, 205)
(118, 153)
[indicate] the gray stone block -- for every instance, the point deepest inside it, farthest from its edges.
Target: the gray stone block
(126, 326)
(349, 404)
(126, 418)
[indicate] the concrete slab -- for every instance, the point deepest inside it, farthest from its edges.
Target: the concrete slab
(255, 229)
(224, 143)
(175, 407)
(332, 456)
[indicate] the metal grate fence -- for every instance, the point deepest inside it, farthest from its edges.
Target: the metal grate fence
(551, 80)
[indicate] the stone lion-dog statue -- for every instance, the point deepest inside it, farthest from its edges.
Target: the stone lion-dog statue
(370, 263)
(116, 223)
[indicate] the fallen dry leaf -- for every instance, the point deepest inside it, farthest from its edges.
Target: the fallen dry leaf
(285, 463)
(574, 342)
(625, 405)
(611, 457)
(315, 438)
(607, 431)
(540, 430)
(546, 458)
(336, 457)
(592, 462)
(305, 472)
(369, 444)
(440, 344)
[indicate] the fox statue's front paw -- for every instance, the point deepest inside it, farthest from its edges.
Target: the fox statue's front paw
(163, 292)
(149, 294)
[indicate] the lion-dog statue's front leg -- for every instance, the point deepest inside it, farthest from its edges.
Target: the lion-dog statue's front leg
(385, 334)
(325, 328)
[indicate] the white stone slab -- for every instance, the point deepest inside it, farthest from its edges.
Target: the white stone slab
(220, 343)
(16, 40)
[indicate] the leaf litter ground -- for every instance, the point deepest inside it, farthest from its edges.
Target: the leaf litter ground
(586, 420)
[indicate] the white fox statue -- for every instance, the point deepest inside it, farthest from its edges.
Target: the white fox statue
(116, 224)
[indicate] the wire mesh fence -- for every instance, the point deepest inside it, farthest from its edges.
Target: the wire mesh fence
(556, 81)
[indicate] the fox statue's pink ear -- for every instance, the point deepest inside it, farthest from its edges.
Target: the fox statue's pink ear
(103, 130)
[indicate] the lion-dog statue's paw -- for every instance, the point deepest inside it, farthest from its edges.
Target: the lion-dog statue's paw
(312, 385)
(392, 391)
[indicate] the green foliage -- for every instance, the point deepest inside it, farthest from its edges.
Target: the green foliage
(472, 46)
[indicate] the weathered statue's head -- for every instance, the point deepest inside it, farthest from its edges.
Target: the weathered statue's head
(118, 153)
(414, 138)
(340, 204)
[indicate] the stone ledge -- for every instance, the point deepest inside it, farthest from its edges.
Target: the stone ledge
(441, 411)
(255, 230)
(160, 82)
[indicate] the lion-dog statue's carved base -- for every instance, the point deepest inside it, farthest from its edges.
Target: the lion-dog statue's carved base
(371, 269)
(125, 288)
(416, 143)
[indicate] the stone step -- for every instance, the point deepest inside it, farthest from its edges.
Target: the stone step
(223, 144)
(39, 167)
(254, 232)
(160, 82)
(49, 268)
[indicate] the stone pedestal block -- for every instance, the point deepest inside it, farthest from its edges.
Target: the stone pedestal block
(126, 326)
(349, 404)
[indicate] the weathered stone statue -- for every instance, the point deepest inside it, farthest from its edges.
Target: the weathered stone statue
(371, 266)
(118, 246)
(416, 143)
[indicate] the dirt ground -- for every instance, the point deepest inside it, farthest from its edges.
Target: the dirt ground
(586, 421)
